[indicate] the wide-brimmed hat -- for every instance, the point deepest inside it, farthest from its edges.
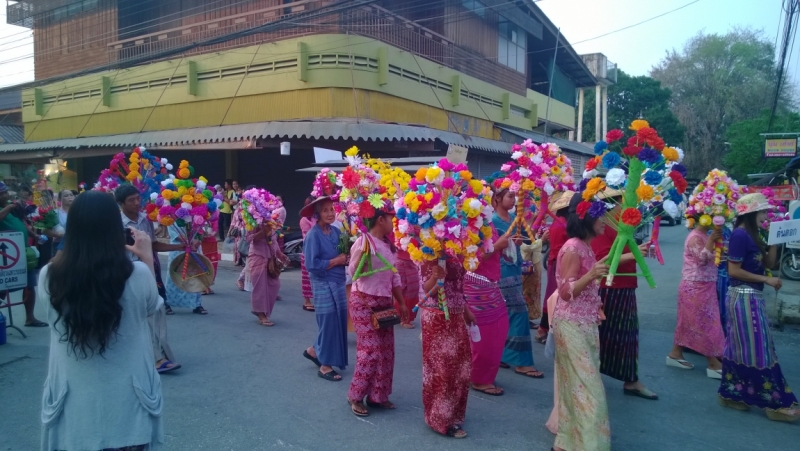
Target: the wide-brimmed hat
(751, 203)
(199, 273)
(610, 193)
(309, 210)
(561, 200)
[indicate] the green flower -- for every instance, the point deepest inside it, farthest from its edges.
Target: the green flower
(375, 200)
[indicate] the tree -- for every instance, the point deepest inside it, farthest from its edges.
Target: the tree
(746, 148)
(716, 81)
(633, 98)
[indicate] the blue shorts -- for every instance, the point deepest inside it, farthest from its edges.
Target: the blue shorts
(33, 280)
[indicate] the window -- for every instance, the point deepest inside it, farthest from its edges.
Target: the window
(512, 45)
(475, 6)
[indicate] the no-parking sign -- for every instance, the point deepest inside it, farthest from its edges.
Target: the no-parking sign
(13, 264)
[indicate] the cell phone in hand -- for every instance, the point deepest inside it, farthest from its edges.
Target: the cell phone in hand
(129, 237)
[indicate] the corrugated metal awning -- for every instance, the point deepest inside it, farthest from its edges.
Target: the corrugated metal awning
(11, 134)
(410, 164)
(249, 133)
(540, 138)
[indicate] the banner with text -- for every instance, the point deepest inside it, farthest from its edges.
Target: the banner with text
(780, 148)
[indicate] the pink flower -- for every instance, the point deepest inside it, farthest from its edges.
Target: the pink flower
(448, 183)
(446, 165)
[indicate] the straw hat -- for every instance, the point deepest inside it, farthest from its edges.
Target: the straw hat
(197, 278)
(751, 203)
(309, 210)
(561, 200)
(610, 193)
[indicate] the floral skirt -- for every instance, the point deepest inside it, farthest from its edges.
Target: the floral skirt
(374, 350)
(750, 370)
(698, 318)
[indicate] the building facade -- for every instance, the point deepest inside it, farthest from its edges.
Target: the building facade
(224, 82)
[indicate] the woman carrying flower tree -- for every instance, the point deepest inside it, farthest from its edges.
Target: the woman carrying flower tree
(582, 408)
(263, 247)
(372, 291)
(326, 268)
(751, 375)
(519, 347)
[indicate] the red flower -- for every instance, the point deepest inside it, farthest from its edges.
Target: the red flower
(523, 161)
(633, 141)
(150, 207)
(657, 143)
(631, 217)
(614, 135)
(591, 164)
(631, 151)
(366, 210)
(647, 133)
(583, 208)
(678, 181)
(350, 178)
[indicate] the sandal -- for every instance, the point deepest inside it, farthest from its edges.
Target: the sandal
(207, 292)
(456, 432)
(491, 391)
(330, 375)
(679, 363)
(200, 311)
(165, 366)
(535, 374)
(266, 323)
(37, 323)
(312, 358)
(504, 365)
(168, 309)
(309, 308)
(388, 405)
(641, 393)
(358, 408)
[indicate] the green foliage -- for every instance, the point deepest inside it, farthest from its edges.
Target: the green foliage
(716, 81)
(633, 98)
(746, 151)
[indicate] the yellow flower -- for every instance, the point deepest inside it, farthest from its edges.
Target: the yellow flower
(555, 170)
(473, 238)
(476, 185)
(181, 191)
(645, 192)
(506, 184)
(167, 194)
(415, 253)
(203, 179)
(153, 215)
(132, 176)
(728, 376)
(594, 186)
(433, 244)
(638, 124)
(528, 185)
(414, 204)
(454, 246)
(561, 160)
(166, 221)
(133, 167)
(432, 174)
(767, 385)
(670, 154)
(351, 152)
(429, 196)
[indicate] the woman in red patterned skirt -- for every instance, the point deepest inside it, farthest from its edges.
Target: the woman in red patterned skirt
(446, 355)
(372, 378)
(409, 278)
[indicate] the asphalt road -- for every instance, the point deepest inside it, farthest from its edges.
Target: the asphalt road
(246, 387)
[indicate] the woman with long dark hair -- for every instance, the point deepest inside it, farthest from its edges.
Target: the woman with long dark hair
(558, 236)
(751, 375)
(582, 407)
(102, 390)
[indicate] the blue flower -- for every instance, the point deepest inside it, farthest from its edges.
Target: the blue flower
(401, 213)
(649, 155)
(653, 178)
(413, 218)
(611, 160)
(681, 169)
(675, 196)
(600, 147)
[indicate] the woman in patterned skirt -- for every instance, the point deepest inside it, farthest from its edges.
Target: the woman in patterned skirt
(698, 315)
(582, 407)
(305, 225)
(372, 378)
(326, 267)
(445, 350)
(619, 333)
(519, 348)
(409, 278)
(722, 280)
(558, 236)
(751, 375)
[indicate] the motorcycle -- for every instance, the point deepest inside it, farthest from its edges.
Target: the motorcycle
(293, 248)
(790, 263)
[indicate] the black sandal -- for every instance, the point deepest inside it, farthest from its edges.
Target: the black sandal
(330, 375)
(453, 431)
(168, 309)
(200, 311)
(312, 358)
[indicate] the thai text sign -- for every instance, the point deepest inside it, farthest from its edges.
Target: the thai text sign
(780, 148)
(13, 264)
(784, 231)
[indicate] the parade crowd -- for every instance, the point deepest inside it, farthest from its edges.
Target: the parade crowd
(362, 270)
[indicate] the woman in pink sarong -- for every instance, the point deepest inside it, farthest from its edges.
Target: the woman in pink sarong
(263, 246)
(484, 299)
(698, 326)
(305, 281)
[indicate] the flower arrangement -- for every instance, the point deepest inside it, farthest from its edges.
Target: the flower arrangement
(534, 173)
(258, 208)
(393, 180)
(141, 169)
(778, 212)
(444, 213)
(324, 183)
(713, 203)
(647, 171)
(361, 192)
(44, 215)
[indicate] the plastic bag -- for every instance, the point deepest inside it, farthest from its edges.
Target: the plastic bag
(229, 245)
(550, 345)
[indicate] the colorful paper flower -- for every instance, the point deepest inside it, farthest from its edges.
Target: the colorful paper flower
(631, 217)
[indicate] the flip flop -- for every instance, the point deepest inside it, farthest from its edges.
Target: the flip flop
(165, 366)
(309, 308)
(37, 323)
(312, 358)
(643, 393)
(266, 323)
(456, 432)
(486, 391)
(353, 408)
(679, 363)
(530, 373)
(200, 311)
(330, 375)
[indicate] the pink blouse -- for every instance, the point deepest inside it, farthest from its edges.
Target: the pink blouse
(583, 308)
(306, 224)
(698, 262)
(380, 283)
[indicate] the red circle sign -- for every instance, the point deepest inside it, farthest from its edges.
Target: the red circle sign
(9, 253)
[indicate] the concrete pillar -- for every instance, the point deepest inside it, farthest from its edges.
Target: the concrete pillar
(580, 115)
(572, 135)
(597, 108)
(605, 111)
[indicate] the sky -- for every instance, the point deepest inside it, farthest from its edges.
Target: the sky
(635, 50)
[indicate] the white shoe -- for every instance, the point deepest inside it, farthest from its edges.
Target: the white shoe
(679, 363)
(714, 374)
